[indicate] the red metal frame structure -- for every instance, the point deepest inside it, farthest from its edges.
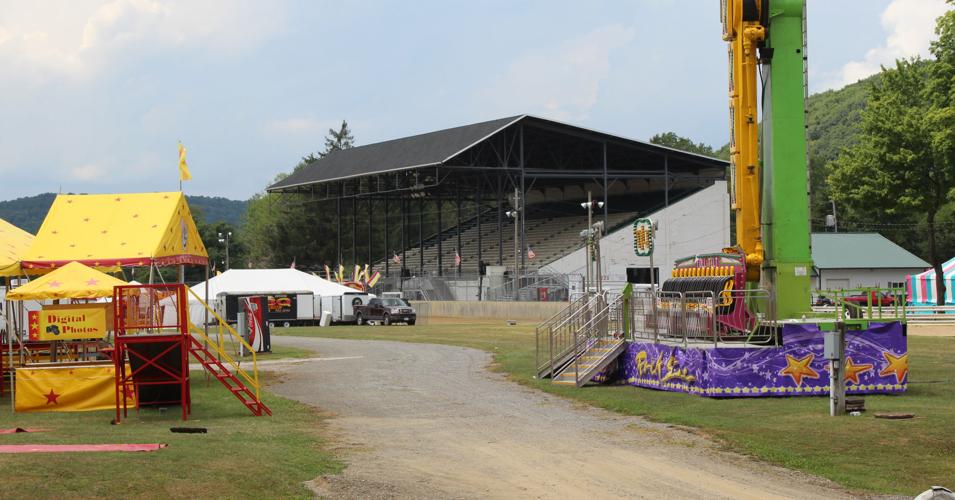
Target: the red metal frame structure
(140, 320)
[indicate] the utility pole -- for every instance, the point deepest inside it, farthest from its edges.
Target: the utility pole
(592, 251)
(516, 215)
(224, 238)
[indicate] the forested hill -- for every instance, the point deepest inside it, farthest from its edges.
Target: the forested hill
(28, 213)
(834, 120)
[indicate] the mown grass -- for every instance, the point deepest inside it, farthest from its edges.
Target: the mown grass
(241, 456)
(861, 453)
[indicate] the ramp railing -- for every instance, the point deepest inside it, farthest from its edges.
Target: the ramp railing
(556, 337)
(599, 339)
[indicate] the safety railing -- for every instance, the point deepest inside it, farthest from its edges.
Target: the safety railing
(733, 316)
(555, 338)
(606, 324)
(867, 303)
(223, 328)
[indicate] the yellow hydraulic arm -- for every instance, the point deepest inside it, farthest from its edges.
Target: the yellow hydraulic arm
(743, 31)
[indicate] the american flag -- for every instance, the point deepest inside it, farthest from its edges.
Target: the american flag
(530, 253)
(457, 258)
(293, 263)
(397, 259)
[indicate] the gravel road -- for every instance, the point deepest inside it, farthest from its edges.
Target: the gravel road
(430, 421)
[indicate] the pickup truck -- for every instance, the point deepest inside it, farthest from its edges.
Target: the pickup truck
(873, 298)
(385, 311)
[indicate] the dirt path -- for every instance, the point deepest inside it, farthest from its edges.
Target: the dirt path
(428, 421)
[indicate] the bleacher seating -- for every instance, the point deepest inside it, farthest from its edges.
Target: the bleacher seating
(549, 235)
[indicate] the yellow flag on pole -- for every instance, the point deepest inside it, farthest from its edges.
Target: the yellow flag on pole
(184, 174)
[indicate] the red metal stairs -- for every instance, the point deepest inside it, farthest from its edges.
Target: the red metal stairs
(218, 370)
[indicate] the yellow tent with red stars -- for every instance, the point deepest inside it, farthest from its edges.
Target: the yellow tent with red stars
(14, 243)
(72, 281)
(109, 230)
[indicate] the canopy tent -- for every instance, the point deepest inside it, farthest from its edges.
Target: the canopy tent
(72, 281)
(14, 243)
(266, 281)
(108, 230)
(920, 288)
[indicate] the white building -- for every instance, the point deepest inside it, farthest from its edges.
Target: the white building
(854, 260)
(699, 223)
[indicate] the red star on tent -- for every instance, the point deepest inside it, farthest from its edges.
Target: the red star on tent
(799, 368)
(51, 398)
(898, 366)
(853, 370)
(92, 281)
(54, 284)
(86, 219)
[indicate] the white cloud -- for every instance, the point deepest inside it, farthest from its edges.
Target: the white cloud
(80, 38)
(910, 25)
(560, 82)
(88, 172)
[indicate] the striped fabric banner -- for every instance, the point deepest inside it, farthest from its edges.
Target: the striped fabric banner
(920, 288)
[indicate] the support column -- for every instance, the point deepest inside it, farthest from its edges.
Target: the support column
(457, 251)
(500, 225)
(477, 213)
(666, 212)
(606, 187)
(338, 231)
(354, 231)
(387, 238)
(521, 210)
(438, 203)
(370, 245)
(404, 228)
(420, 236)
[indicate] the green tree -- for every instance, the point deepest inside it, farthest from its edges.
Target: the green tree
(672, 140)
(902, 166)
(282, 228)
(337, 140)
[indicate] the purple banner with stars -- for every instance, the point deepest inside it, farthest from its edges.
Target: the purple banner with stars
(877, 362)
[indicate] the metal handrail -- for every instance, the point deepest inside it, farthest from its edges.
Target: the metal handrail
(560, 335)
(598, 324)
(254, 380)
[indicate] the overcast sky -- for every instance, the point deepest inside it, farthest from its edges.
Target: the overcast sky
(95, 94)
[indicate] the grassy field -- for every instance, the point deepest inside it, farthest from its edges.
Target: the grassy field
(241, 456)
(862, 453)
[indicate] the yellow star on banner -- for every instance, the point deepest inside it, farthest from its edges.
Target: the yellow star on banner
(799, 368)
(898, 365)
(853, 370)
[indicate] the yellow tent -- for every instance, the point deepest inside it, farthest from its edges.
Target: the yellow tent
(72, 281)
(14, 243)
(108, 230)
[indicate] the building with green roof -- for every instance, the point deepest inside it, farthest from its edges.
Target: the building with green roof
(854, 260)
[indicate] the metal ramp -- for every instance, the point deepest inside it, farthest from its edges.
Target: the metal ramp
(581, 341)
(593, 360)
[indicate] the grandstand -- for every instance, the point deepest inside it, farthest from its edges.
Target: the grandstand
(549, 166)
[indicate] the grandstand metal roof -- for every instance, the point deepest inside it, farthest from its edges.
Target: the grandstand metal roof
(439, 148)
(861, 250)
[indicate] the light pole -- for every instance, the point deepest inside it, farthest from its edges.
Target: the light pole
(224, 238)
(589, 206)
(515, 214)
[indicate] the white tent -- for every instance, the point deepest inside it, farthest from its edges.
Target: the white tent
(266, 281)
(263, 282)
